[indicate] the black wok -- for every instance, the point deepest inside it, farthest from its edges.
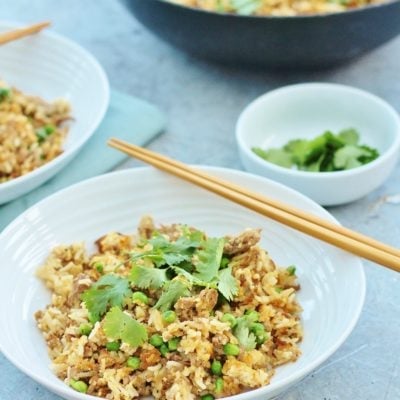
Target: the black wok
(288, 42)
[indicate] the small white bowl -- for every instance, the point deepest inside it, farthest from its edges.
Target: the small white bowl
(306, 111)
(332, 281)
(50, 66)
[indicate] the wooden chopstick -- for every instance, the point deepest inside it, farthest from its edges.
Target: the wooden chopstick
(284, 207)
(336, 235)
(22, 32)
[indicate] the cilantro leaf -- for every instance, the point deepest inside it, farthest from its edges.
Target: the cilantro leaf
(325, 153)
(109, 291)
(193, 280)
(369, 155)
(349, 136)
(209, 259)
(227, 284)
(298, 149)
(165, 252)
(242, 332)
(148, 277)
(5, 93)
(246, 7)
(276, 156)
(347, 157)
(172, 291)
(120, 326)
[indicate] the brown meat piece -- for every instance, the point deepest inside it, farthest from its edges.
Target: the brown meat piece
(173, 231)
(149, 357)
(243, 242)
(146, 227)
(113, 242)
(196, 306)
(80, 284)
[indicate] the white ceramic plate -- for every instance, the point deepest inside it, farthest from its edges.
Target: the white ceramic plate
(332, 282)
(50, 66)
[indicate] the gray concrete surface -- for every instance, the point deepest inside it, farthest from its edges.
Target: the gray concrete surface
(202, 102)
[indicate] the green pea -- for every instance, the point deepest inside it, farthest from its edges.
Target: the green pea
(79, 386)
(252, 315)
(99, 267)
(49, 129)
(216, 367)
(262, 338)
(133, 362)
(164, 349)
(140, 297)
(257, 328)
(41, 135)
(230, 319)
(44, 132)
(278, 290)
(169, 316)
(113, 346)
(207, 397)
(219, 385)
(173, 344)
(156, 340)
(85, 329)
(231, 349)
(224, 262)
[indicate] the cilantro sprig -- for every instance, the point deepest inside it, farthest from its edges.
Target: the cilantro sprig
(325, 153)
(227, 284)
(172, 291)
(118, 325)
(165, 252)
(147, 277)
(209, 259)
(109, 291)
(248, 331)
(246, 7)
(191, 260)
(246, 338)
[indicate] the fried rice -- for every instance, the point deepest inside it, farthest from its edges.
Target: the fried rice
(225, 333)
(277, 7)
(32, 131)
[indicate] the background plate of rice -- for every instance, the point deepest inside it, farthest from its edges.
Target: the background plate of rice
(58, 68)
(332, 282)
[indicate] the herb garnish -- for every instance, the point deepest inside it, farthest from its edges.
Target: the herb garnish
(118, 325)
(327, 152)
(5, 93)
(191, 260)
(245, 7)
(109, 291)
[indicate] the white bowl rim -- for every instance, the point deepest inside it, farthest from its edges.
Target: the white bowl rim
(387, 154)
(76, 145)
(64, 389)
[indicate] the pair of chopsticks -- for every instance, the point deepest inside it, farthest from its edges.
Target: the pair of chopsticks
(15, 34)
(309, 224)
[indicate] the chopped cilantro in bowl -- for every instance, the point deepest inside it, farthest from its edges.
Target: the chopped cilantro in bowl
(334, 167)
(327, 152)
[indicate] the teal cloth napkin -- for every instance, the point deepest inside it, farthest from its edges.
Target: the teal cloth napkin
(128, 118)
